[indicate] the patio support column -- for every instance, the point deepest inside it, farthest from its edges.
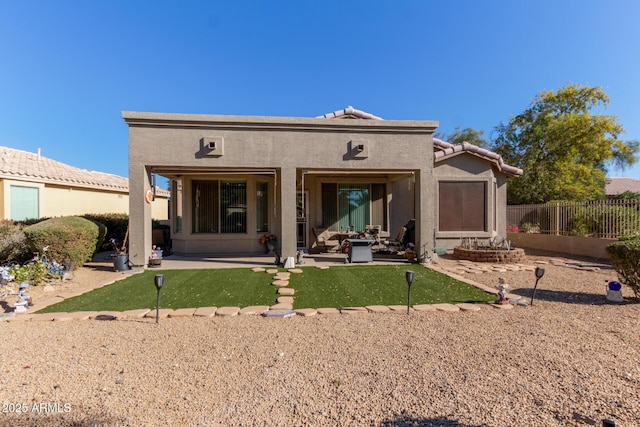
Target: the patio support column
(287, 211)
(424, 200)
(139, 214)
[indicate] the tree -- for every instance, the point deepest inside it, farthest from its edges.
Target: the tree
(563, 148)
(469, 135)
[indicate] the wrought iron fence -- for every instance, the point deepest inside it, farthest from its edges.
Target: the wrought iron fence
(604, 219)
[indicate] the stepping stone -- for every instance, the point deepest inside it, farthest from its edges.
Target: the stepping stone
(255, 309)
(105, 315)
(502, 306)
(163, 313)
(281, 277)
(286, 291)
(280, 283)
(353, 310)
(468, 307)
(398, 308)
(279, 313)
(206, 312)
(378, 308)
(258, 269)
(133, 314)
(322, 267)
(282, 306)
(306, 312)
(285, 300)
(446, 307)
(271, 271)
(78, 315)
(227, 311)
(295, 270)
(183, 312)
(328, 310)
(423, 307)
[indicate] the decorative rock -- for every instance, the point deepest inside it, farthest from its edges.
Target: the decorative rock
(306, 312)
(105, 315)
(378, 308)
(227, 311)
(424, 307)
(183, 312)
(258, 269)
(286, 291)
(295, 270)
(468, 307)
(255, 309)
(446, 307)
(133, 314)
(206, 312)
(328, 310)
(282, 306)
(353, 310)
(280, 283)
(285, 300)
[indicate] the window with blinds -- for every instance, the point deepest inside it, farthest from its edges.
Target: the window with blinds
(462, 206)
(219, 206)
(353, 206)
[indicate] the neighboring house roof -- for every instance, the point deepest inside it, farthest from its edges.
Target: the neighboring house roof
(444, 150)
(616, 186)
(26, 166)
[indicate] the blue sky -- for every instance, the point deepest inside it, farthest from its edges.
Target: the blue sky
(69, 68)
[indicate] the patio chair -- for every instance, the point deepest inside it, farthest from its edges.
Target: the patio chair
(324, 242)
(397, 243)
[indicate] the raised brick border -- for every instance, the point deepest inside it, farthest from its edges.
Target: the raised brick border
(512, 256)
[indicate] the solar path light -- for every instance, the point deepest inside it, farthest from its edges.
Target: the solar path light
(159, 281)
(410, 277)
(539, 273)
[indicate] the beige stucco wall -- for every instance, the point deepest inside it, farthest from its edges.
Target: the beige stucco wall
(56, 201)
(583, 246)
(170, 143)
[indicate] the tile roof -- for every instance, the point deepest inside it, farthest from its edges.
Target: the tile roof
(443, 150)
(26, 166)
(615, 186)
(349, 113)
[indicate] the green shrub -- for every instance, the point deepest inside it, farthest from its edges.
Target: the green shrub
(66, 238)
(116, 227)
(13, 243)
(625, 258)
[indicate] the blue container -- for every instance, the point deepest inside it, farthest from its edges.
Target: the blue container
(614, 286)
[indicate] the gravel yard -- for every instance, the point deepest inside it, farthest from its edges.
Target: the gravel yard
(570, 360)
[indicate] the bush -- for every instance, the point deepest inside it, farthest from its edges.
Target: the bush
(625, 258)
(116, 227)
(67, 238)
(13, 243)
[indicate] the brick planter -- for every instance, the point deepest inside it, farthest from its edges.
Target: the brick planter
(512, 256)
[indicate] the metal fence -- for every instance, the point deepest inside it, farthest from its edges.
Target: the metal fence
(605, 219)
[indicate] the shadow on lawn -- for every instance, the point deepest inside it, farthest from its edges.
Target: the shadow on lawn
(403, 421)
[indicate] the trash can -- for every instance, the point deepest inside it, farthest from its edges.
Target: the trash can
(121, 262)
(360, 250)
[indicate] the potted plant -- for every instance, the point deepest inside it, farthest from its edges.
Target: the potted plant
(270, 240)
(120, 256)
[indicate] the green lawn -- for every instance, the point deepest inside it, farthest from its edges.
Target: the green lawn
(315, 288)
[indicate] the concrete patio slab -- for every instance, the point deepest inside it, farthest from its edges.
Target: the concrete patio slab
(228, 311)
(182, 312)
(254, 309)
(205, 312)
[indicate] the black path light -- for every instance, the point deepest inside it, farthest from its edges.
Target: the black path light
(410, 277)
(159, 281)
(539, 273)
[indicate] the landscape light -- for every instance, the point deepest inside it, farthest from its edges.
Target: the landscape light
(159, 281)
(539, 273)
(410, 277)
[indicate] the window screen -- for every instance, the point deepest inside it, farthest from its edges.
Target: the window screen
(462, 206)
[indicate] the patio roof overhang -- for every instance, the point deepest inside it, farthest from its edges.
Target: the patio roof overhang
(173, 172)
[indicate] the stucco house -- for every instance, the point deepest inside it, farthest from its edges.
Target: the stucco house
(235, 178)
(33, 186)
